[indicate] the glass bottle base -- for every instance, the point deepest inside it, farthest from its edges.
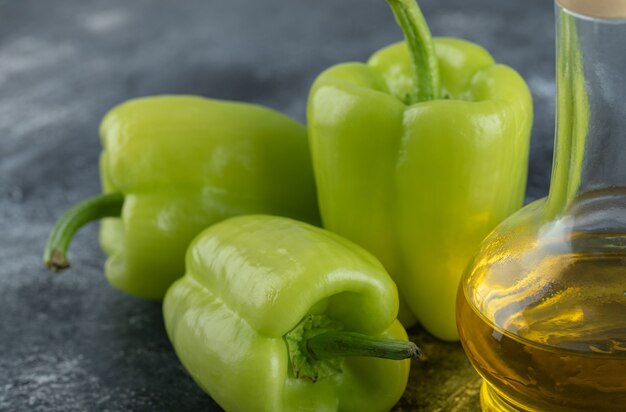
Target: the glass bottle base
(491, 401)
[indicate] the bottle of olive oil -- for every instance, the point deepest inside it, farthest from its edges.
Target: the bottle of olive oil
(542, 310)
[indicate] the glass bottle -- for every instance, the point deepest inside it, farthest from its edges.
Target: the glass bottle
(542, 311)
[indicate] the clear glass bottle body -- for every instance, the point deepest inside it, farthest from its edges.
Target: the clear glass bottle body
(542, 311)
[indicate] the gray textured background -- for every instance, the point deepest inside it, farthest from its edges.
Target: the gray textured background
(71, 342)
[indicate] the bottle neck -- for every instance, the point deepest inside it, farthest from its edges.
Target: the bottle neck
(590, 147)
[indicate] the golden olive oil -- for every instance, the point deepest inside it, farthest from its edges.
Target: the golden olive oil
(552, 338)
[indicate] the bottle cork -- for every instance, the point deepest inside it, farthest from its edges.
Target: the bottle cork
(603, 9)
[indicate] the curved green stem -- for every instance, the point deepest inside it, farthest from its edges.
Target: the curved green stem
(94, 208)
(337, 344)
(421, 47)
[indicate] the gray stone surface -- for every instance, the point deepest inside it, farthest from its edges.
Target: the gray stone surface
(71, 342)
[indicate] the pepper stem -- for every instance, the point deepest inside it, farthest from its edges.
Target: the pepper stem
(421, 48)
(94, 208)
(337, 344)
(318, 344)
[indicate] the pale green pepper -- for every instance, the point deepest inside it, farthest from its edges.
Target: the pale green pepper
(277, 315)
(171, 166)
(417, 155)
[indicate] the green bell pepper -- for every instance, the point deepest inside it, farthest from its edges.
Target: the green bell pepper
(277, 315)
(417, 155)
(171, 166)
